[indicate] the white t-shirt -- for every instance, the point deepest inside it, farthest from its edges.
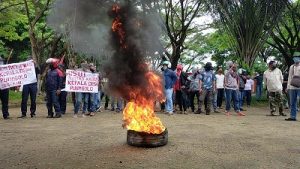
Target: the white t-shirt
(248, 85)
(220, 81)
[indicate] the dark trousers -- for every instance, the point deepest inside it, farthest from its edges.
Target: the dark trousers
(220, 97)
(62, 99)
(248, 97)
(192, 97)
(106, 102)
(4, 94)
(52, 100)
(29, 90)
(162, 106)
(180, 100)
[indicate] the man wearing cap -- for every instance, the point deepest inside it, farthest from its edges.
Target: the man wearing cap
(273, 80)
(169, 79)
(294, 86)
(53, 88)
(29, 90)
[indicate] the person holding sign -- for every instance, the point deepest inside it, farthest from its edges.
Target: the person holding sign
(4, 95)
(29, 89)
(53, 88)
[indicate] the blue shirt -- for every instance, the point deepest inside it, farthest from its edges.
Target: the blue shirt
(170, 78)
(208, 79)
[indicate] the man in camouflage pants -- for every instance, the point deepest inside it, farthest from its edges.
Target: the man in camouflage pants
(273, 80)
(275, 99)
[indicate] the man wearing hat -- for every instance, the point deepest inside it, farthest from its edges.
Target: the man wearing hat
(169, 79)
(53, 85)
(273, 80)
(294, 86)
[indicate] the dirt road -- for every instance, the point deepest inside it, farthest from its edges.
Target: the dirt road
(195, 141)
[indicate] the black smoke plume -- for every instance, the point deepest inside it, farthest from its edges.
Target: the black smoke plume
(88, 25)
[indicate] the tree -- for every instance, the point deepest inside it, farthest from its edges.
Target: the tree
(286, 34)
(179, 16)
(249, 23)
(12, 26)
(41, 37)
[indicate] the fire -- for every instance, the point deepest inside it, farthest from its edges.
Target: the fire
(138, 114)
(117, 25)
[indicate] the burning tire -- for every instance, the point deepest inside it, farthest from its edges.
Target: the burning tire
(141, 139)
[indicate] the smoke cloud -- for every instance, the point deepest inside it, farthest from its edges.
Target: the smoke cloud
(88, 25)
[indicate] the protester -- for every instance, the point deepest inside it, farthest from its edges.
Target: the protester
(194, 89)
(231, 84)
(29, 90)
(259, 85)
(273, 80)
(81, 97)
(248, 89)
(294, 86)
(242, 82)
(4, 97)
(92, 102)
(220, 88)
(169, 81)
(180, 89)
(62, 98)
(53, 88)
(207, 87)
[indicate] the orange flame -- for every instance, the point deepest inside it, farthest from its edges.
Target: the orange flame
(117, 26)
(138, 114)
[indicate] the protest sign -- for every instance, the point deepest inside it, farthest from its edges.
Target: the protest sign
(79, 81)
(17, 74)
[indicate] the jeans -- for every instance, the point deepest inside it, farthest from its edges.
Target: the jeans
(4, 96)
(258, 91)
(92, 102)
(119, 104)
(169, 100)
(88, 104)
(79, 97)
(215, 99)
(30, 89)
(52, 100)
(294, 94)
(241, 96)
(97, 99)
(232, 94)
(63, 101)
(220, 97)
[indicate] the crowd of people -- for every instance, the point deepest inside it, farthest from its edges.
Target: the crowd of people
(235, 86)
(200, 91)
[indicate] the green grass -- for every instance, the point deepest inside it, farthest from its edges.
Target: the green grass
(15, 96)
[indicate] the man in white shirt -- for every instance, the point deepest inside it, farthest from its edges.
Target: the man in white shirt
(273, 80)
